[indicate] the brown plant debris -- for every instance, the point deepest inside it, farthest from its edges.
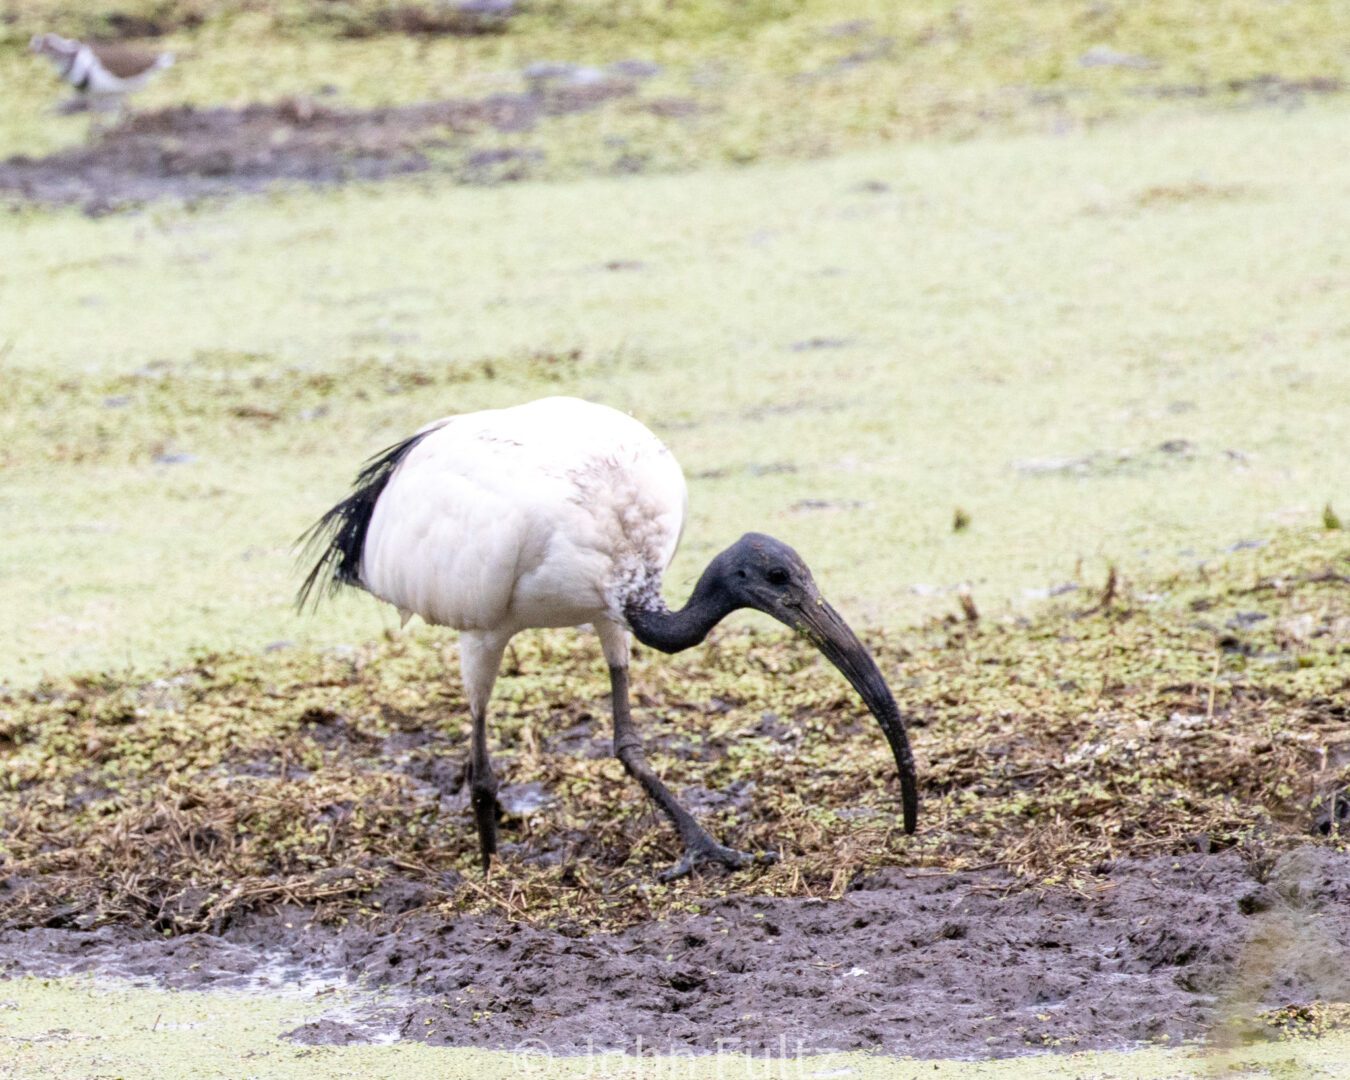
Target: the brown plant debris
(1211, 712)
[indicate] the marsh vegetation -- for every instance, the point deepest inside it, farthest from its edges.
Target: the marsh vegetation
(1026, 326)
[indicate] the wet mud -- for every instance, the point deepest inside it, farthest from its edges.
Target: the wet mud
(919, 963)
(190, 153)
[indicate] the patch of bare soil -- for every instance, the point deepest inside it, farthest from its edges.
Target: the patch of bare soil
(193, 153)
(1265, 89)
(292, 815)
(928, 964)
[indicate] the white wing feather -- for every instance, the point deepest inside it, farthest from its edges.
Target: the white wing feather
(553, 513)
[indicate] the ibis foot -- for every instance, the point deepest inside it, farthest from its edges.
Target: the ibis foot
(710, 851)
(487, 811)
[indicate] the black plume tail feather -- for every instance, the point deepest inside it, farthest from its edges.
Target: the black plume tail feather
(339, 537)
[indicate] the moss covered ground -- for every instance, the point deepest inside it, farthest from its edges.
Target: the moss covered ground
(1201, 711)
(743, 81)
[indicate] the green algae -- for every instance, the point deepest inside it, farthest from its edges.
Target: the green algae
(75, 1027)
(1025, 328)
(738, 82)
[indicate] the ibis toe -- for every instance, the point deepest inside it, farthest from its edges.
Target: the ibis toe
(699, 854)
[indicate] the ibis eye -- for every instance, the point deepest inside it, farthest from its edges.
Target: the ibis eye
(777, 576)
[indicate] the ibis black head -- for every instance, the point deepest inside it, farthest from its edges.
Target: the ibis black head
(763, 573)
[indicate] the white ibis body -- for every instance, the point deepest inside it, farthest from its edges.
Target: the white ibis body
(561, 512)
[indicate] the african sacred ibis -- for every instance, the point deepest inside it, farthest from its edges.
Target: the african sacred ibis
(561, 512)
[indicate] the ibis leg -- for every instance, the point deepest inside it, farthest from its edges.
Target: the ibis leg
(699, 847)
(483, 791)
(480, 657)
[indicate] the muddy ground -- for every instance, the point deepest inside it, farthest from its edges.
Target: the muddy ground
(1158, 858)
(191, 153)
(918, 963)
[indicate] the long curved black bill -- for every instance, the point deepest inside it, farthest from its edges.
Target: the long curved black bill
(840, 645)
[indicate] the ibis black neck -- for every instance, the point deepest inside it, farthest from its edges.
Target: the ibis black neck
(657, 626)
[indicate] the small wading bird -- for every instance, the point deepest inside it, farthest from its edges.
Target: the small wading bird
(561, 512)
(101, 73)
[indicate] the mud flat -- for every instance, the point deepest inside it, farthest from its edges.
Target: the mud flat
(912, 963)
(189, 153)
(1145, 871)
